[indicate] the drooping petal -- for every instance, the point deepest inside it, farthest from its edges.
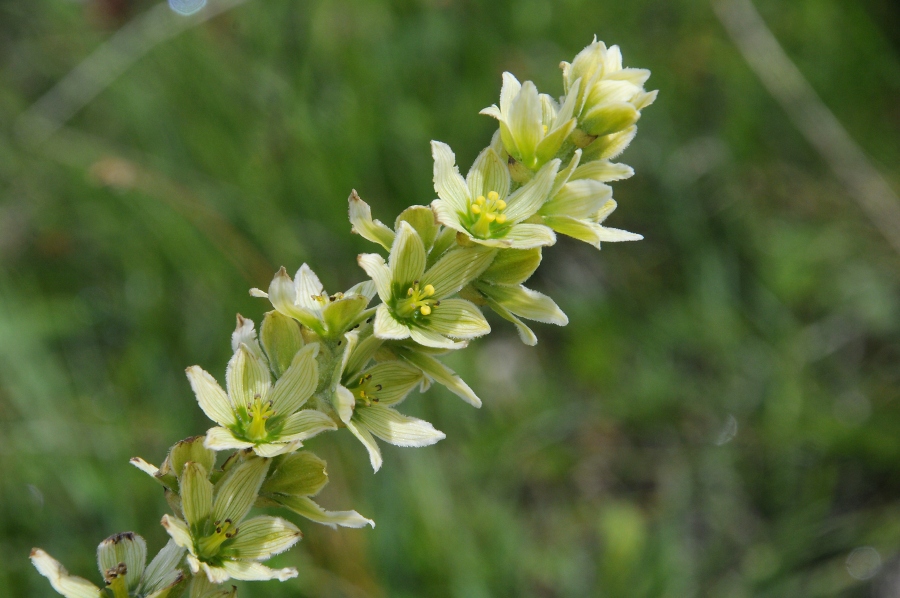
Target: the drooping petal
(308, 508)
(610, 118)
(526, 334)
(261, 537)
(244, 333)
(179, 532)
(306, 424)
(65, 584)
(222, 439)
(553, 142)
(363, 435)
(448, 183)
(529, 236)
(458, 318)
(525, 202)
(378, 271)
(526, 303)
(488, 173)
(387, 327)
(456, 269)
(297, 383)
(397, 429)
(163, 572)
(429, 338)
(237, 491)
(407, 259)
(589, 232)
(363, 224)
(609, 146)
(365, 288)
(252, 571)
(442, 375)
(212, 399)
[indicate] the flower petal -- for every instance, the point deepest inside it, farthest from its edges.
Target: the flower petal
(458, 318)
(222, 439)
(274, 449)
(393, 381)
(306, 424)
(442, 375)
(340, 314)
(529, 236)
(526, 334)
(525, 122)
(428, 338)
(212, 399)
(456, 269)
(578, 199)
(526, 303)
(363, 224)
(247, 376)
(261, 537)
(251, 571)
(298, 474)
(448, 183)
(387, 327)
(163, 571)
(448, 215)
(397, 429)
(407, 259)
(378, 271)
(309, 289)
(196, 495)
(422, 219)
(525, 202)
(179, 532)
(363, 435)
(343, 402)
(308, 508)
(65, 584)
(283, 295)
(128, 548)
(237, 491)
(297, 383)
(508, 92)
(281, 337)
(589, 232)
(603, 171)
(488, 173)
(512, 266)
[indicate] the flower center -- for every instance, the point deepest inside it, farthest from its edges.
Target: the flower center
(486, 211)
(259, 411)
(365, 391)
(115, 580)
(209, 546)
(418, 299)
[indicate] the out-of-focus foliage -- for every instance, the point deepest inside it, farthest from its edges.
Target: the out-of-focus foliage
(721, 418)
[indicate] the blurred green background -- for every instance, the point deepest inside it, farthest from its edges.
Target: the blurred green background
(720, 418)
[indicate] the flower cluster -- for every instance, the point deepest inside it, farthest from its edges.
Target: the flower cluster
(324, 362)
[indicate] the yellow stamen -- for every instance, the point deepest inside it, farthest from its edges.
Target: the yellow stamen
(486, 211)
(425, 310)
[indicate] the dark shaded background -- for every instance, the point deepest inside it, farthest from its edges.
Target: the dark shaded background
(720, 419)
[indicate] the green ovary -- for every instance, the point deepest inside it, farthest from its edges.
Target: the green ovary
(417, 300)
(260, 411)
